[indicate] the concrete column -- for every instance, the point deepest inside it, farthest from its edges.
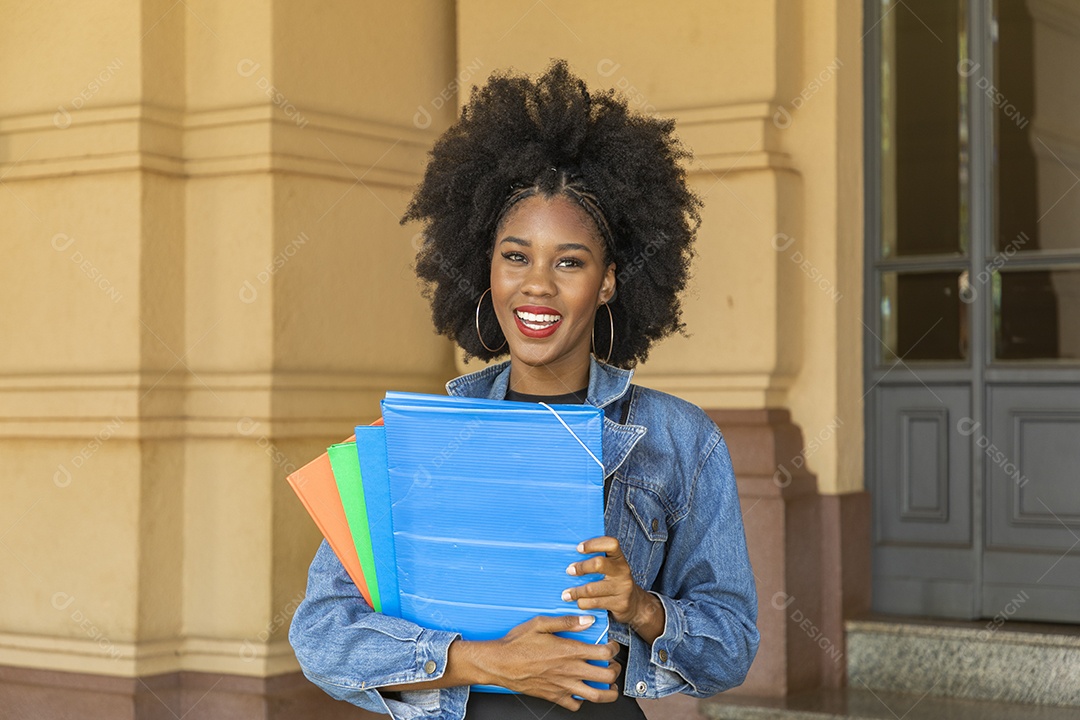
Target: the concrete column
(206, 285)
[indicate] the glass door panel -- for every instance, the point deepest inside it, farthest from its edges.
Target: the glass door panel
(1037, 315)
(1035, 97)
(921, 144)
(923, 317)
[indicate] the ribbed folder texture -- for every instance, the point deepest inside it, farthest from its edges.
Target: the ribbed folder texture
(489, 502)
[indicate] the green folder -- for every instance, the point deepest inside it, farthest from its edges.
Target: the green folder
(346, 465)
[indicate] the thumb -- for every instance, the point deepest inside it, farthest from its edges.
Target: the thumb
(562, 623)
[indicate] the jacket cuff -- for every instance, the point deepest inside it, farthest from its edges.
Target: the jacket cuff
(447, 703)
(650, 671)
(431, 655)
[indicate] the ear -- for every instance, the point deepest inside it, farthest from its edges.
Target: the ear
(607, 286)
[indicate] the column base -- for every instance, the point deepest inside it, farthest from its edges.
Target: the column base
(52, 695)
(810, 554)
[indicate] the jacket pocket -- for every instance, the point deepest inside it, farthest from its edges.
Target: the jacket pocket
(651, 528)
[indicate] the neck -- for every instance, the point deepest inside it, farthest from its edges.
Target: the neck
(565, 376)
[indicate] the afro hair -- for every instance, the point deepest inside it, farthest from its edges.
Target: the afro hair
(518, 137)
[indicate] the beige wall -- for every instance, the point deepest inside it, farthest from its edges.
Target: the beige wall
(205, 285)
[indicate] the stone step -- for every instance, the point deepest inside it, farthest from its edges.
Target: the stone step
(1025, 663)
(863, 704)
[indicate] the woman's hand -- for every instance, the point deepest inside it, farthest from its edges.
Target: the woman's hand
(532, 660)
(617, 592)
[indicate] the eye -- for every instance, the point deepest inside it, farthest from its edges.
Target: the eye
(571, 262)
(513, 256)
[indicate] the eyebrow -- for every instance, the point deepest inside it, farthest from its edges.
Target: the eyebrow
(561, 247)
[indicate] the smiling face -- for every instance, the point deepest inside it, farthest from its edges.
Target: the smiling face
(548, 277)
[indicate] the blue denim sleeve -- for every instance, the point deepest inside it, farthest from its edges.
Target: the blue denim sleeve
(349, 650)
(707, 589)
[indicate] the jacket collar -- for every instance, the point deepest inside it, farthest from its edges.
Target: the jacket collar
(607, 384)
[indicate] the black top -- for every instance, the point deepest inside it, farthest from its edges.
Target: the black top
(571, 398)
(490, 706)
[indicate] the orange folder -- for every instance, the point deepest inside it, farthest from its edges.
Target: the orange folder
(315, 486)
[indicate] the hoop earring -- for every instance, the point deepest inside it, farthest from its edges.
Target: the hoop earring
(478, 324)
(611, 322)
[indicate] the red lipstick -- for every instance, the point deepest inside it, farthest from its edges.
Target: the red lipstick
(542, 327)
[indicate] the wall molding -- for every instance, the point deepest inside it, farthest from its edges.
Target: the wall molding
(230, 141)
(727, 390)
(260, 138)
(135, 659)
(182, 405)
(731, 138)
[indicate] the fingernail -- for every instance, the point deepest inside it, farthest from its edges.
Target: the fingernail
(566, 595)
(571, 570)
(585, 620)
(581, 547)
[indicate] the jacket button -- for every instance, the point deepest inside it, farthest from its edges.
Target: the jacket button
(663, 656)
(429, 667)
(655, 524)
(641, 687)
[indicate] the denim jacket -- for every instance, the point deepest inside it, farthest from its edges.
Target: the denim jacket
(672, 505)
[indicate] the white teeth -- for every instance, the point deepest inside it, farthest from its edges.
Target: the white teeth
(528, 317)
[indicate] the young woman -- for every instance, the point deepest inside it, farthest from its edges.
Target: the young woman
(558, 231)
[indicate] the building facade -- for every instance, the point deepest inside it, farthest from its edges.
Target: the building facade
(207, 284)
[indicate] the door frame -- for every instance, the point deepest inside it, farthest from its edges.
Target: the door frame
(981, 373)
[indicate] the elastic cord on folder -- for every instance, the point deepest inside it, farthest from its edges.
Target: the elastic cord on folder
(603, 635)
(557, 417)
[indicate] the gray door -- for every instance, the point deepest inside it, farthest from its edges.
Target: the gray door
(973, 307)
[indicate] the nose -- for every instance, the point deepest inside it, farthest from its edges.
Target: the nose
(539, 281)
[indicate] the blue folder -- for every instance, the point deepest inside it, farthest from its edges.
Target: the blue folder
(489, 500)
(371, 447)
